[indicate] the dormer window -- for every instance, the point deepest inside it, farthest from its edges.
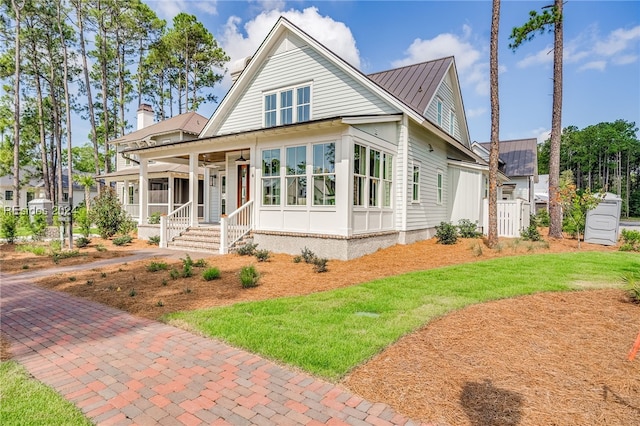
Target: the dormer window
(287, 106)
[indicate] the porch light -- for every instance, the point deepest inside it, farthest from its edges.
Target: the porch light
(212, 180)
(241, 158)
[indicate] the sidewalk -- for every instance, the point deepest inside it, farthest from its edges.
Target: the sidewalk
(120, 369)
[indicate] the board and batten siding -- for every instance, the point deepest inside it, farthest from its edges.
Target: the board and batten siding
(333, 92)
(465, 192)
(444, 94)
(426, 213)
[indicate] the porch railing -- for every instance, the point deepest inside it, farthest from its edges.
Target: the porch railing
(174, 223)
(235, 226)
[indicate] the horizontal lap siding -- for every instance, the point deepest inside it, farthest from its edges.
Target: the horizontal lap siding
(334, 93)
(445, 94)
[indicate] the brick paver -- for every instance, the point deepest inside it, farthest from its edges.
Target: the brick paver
(122, 370)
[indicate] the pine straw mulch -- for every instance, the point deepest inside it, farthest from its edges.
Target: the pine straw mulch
(552, 358)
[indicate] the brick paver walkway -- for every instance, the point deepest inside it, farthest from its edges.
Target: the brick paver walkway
(120, 369)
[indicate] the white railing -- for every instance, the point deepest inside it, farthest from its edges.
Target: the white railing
(235, 226)
(174, 223)
(132, 210)
(513, 216)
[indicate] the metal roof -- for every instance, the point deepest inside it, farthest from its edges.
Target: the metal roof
(415, 85)
(520, 156)
(189, 122)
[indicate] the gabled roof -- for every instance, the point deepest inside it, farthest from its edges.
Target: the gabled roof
(189, 122)
(414, 84)
(520, 156)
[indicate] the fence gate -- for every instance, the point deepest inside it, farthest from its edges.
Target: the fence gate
(513, 216)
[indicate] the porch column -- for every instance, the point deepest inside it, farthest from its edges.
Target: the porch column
(170, 191)
(206, 193)
(125, 196)
(143, 191)
(193, 187)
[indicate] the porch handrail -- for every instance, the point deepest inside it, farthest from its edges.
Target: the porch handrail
(174, 223)
(235, 226)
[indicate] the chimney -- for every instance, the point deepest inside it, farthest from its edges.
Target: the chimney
(237, 67)
(145, 116)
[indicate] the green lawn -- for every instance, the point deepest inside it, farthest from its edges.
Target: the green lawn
(329, 333)
(25, 401)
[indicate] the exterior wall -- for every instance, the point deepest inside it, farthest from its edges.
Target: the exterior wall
(445, 94)
(426, 213)
(146, 231)
(465, 195)
(333, 92)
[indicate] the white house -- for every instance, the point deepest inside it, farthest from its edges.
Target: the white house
(305, 150)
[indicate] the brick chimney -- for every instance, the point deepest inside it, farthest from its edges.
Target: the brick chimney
(145, 116)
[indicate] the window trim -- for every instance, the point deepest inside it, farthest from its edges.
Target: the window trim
(439, 187)
(452, 123)
(323, 174)
(294, 104)
(277, 200)
(296, 176)
(415, 184)
(439, 106)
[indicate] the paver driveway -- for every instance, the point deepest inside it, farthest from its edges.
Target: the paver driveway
(120, 369)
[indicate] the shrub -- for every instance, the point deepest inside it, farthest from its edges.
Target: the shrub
(37, 225)
(101, 247)
(133, 292)
(248, 249)
(128, 225)
(249, 276)
(122, 240)
(154, 240)
(9, 226)
(320, 264)
(200, 263)
(211, 274)
(297, 259)
(468, 229)
(307, 255)
(630, 240)
(632, 286)
(56, 256)
(38, 250)
(174, 274)
(83, 221)
(187, 266)
(531, 233)
(82, 242)
(446, 233)
(263, 255)
(154, 219)
(157, 266)
(541, 218)
(107, 213)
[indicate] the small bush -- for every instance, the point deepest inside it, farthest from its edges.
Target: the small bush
(58, 255)
(133, 292)
(541, 218)
(186, 290)
(297, 259)
(160, 304)
(211, 274)
(128, 225)
(37, 225)
(154, 240)
(477, 249)
(32, 248)
(89, 282)
(107, 213)
(25, 266)
(101, 247)
(103, 275)
(200, 263)
(531, 233)
(630, 240)
(174, 274)
(187, 266)
(154, 219)
(320, 264)
(164, 282)
(122, 240)
(82, 242)
(632, 286)
(446, 233)
(468, 229)
(157, 266)
(72, 279)
(263, 255)
(82, 219)
(9, 226)
(307, 255)
(249, 276)
(248, 249)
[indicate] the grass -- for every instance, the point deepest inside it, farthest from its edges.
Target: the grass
(25, 401)
(329, 333)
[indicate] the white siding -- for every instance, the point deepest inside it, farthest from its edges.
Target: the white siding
(465, 194)
(333, 92)
(444, 94)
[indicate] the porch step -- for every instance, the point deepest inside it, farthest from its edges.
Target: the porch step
(200, 239)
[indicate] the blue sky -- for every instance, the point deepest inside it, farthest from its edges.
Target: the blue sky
(601, 41)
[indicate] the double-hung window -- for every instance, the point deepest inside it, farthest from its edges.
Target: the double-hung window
(359, 174)
(271, 177)
(296, 176)
(374, 178)
(415, 184)
(439, 187)
(324, 174)
(387, 178)
(287, 106)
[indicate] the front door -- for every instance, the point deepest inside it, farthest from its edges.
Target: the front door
(243, 184)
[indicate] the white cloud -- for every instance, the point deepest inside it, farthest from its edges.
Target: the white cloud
(476, 112)
(269, 5)
(470, 68)
(333, 34)
(167, 9)
(618, 41)
(544, 56)
(594, 65)
(625, 59)
(541, 134)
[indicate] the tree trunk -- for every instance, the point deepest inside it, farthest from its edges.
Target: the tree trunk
(492, 234)
(43, 140)
(555, 211)
(16, 108)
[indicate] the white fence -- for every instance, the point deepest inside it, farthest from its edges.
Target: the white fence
(513, 216)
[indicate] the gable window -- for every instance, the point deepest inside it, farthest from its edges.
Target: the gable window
(439, 113)
(452, 122)
(359, 174)
(439, 187)
(296, 176)
(415, 184)
(324, 174)
(271, 177)
(287, 106)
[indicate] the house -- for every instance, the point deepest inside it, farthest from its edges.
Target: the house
(166, 182)
(307, 151)
(519, 163)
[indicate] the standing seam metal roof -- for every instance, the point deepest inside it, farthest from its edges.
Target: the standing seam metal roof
(519, 155)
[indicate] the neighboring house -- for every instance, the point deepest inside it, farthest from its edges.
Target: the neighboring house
(306, 151)
(541, 193)
(166, 181)
(519, 163)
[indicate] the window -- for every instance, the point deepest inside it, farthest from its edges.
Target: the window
(324, 175)
(374, 178)
(486, 187)
(452, 122)
(359, 174)
(30, 196)
(65, 196)
(439, 188)
(439, 113)
(8, 195)
(291, 105)
(271, 177)
(387, 178)
(296, 176)
(415, 184)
